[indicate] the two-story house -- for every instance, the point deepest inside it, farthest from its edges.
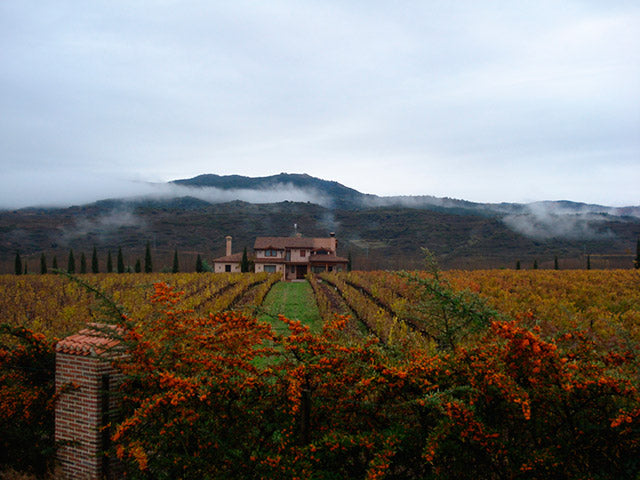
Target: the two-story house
(294, 257)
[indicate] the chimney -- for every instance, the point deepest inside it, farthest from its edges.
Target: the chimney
(228, 238)
(334, 242)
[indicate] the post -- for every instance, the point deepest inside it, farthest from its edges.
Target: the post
(85, 382)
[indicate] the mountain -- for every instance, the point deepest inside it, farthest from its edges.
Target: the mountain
(379, 232)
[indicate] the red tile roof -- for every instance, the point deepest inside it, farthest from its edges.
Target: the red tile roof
(327, 259)
(281, 243)
(233, 258)
(93, 340)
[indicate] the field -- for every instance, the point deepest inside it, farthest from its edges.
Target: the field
(428, 374)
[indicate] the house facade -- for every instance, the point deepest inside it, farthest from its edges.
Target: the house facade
(231, 262)
(294, 257)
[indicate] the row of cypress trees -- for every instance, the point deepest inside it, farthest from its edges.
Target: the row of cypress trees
(120, 267)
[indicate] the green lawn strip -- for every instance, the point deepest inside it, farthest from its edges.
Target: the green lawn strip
(294, 300)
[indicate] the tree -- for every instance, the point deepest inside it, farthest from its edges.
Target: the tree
(26, 268)
(555, 263)
(109, 262)
(83, 263)
(244, 263)
(199, 266)
(637, 261)
(138, 267)
(349, 263)
(94, 261)
(535, 264)
(54, 264)
(588, 262)
(148, 266)
(18, 264)
(71, 263)
(518, 265)
(120, 261)
(176, 266)
(43, 264)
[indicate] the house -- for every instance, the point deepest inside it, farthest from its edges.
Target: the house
(294, 257)
(230, 262)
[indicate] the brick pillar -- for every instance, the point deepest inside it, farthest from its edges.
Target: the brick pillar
(86, 382)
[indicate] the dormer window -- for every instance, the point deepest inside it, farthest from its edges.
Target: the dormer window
(303, 253)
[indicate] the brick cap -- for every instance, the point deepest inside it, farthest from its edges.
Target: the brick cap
(94, 340)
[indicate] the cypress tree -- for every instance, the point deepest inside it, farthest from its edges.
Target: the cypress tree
(199, 266)
(18, 264)
(43, 264)
(138, 267)
(109, 262)
(148, 267)
(588, 262)
(349, 262)
(83, 263)
(26, 270)
(555, 263)
(535, 264)
(637, 261)
(120, 261)
(54, 264)
(94, 261)
(71, 263)
(176, 266)
(244, 263)
(518, 265)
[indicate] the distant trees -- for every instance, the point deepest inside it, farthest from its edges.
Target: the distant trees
(83, 263)
(244, 263)
(120, 261)
(71, 263)
(518, 265)
(148, 265)
(54, 263)
(199, 266)
(176, 266)
(349, 263)
(18, 264)
(555, 263)
(138, 267)
(43, 264)
(535, 264)
(636, 263)
(109, 262)
(588, 262)
(94, 261)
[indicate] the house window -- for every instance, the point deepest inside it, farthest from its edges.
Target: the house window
(227, 268)
(293, 269)
(270, 268)
(270, 253)
(288, 256)
(303, 253)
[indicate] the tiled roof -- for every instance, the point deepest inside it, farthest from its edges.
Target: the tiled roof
(281, 243)
(90, 341)
(327, 259)
(233, 258)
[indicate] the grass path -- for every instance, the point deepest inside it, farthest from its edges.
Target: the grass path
(294, 300)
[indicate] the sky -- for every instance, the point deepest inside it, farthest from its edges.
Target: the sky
(489, 101)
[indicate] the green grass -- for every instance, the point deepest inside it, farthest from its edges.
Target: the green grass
(294, 300)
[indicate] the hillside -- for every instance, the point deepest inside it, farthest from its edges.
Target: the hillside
(379, 232)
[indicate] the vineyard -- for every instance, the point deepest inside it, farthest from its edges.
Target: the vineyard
(413, 375)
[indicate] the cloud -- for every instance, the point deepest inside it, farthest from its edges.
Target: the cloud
(59, 189)
(544, 220)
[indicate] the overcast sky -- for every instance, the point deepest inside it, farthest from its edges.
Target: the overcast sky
(501, 100)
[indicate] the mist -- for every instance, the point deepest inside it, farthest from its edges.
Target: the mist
(544, 220)
(52, 189)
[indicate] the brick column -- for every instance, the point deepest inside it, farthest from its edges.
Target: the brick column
(86, 382)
